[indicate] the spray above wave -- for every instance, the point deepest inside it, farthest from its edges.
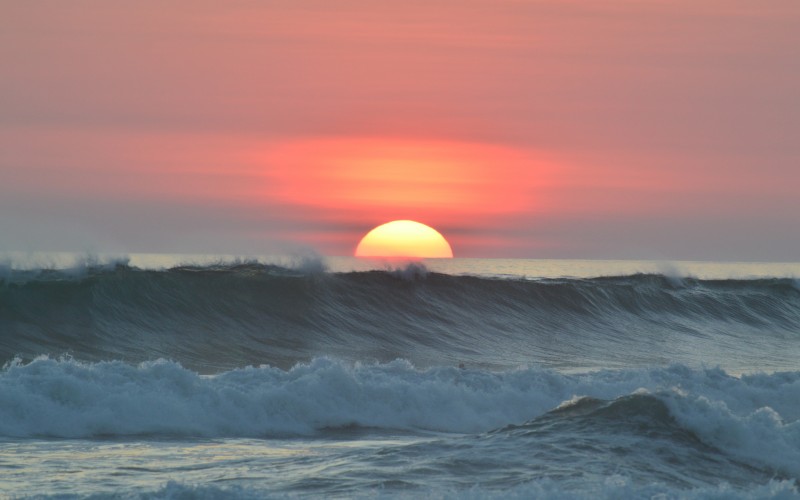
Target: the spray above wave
(220, 317)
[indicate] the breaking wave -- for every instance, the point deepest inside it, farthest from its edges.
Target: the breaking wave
(214, 318)
(747, 425)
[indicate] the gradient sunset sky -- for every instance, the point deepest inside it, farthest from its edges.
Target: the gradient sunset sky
(542, 129)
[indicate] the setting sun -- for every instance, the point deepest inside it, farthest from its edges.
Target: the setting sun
(404, 238)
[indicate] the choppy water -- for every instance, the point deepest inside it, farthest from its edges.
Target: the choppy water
(449, 379)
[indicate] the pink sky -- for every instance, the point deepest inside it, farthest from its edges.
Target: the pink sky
(553, 129)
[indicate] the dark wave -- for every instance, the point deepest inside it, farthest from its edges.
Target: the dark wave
(635, 435)
(219, 317)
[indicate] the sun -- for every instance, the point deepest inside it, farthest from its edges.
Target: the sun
(404, 239)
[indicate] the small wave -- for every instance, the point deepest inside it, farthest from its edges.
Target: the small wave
(672, 428)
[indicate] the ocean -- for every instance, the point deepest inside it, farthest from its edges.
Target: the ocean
(153, 376)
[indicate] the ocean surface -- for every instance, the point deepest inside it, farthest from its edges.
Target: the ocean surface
(153, 376)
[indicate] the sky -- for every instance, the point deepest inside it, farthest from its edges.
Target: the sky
(607, 129)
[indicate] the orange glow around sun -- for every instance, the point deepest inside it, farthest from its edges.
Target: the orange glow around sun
(443, 181)
(347, 182)
(404, 239)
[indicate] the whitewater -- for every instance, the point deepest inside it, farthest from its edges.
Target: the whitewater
(177, 377)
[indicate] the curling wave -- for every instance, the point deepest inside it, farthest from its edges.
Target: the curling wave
(216, 318)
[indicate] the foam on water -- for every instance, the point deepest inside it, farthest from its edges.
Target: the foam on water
(754, 418)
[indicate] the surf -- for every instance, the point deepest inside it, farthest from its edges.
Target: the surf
(219, 317)
(706, 416)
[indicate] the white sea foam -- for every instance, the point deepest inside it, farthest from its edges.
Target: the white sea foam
(754, 417)
(760, 436)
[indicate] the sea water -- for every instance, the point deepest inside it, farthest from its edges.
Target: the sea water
(214, 377)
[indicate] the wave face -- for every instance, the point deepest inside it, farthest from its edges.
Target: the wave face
(217, 318)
